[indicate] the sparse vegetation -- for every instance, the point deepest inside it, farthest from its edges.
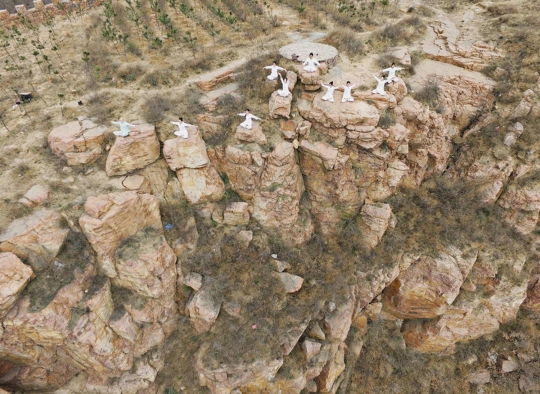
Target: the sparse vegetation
(346, 40)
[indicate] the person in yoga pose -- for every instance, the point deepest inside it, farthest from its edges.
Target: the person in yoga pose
(310, 64)
(380, 86)
(274, 71)
(284, 92)
(392, 73)
(124, 128)
(347, 89)
(248, 123)
(182, 130)
(329, 95)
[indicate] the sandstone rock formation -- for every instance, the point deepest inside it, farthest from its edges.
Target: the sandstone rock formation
(133, 152)
(36, 195)
(256, 134)
(201, 184)
(14, 276)
(78, 142)
(186, 153)
(522, 201)
(204, 305)
(430, 285)
(36, 239)
(373, 222)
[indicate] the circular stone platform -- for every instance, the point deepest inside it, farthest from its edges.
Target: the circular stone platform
(321, 52)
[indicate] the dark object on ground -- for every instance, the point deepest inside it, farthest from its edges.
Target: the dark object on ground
(80, 102)
(25, 97)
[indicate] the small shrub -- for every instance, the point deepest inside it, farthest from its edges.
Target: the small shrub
(429, 94)
(403, 32)
(155, 107)
(387, 119)
(158, 77)
(346, 40)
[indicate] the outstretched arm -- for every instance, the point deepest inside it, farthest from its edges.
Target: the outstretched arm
(325, 86)
(386, 70)
(267, 67)
(242, 114)
(187, 124)
(176, 123)
(281, 68)
(374, 76)
(255, 117)
(118, 123)
(316, 62)
(398, 68)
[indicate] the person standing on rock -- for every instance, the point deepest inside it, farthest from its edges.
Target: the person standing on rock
(347, 89)
(392, 73)
(329, 95)
(182, 131)
(124, 128)
(284, 92)
(310, 64)
(380, 86)
(248, 124)
(274, 71)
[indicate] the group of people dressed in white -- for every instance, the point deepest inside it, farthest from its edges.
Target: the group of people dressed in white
(310, 65)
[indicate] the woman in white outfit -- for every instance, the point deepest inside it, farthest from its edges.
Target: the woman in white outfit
(347, 88)
(274, 71)
(329, 95)
(248, 124)
(310, 64)
(284, 92)
(392, 72)
(182, 131)
(124, 128)
(380, 86)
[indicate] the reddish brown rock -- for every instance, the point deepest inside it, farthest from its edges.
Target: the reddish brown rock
(36, 239)
(79, 142)
(139, 149)
(186, 152)
(14, 276)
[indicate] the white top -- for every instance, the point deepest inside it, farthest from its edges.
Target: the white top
(124, 126)
(347, 90)
(392, 71)
(249, 116)
(330, 89)
(311, 64)
(275, 68)
(182, 131)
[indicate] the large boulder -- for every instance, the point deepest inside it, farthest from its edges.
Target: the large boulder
(14, 276)
(186, 153)
(335, 120)
(112, 218)
(204, 305)
(201, 185)
(430, 285)
(139, 149)
(256, 134)
(373, 222)
(36, 239)
(78, 142)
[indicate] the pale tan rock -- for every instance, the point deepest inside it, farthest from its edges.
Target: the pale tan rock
(236, 214)
(113, 218)
(331, 371)
(276, 204)
(373, 222)
(291, 283)
(314, 331)
(479, 377)
(78, 142)
(373, 310)
(398, 89)
(209, 81)
(36, 195)
(186, 152)
(204, 306)
(279, 265)
(139, 149)
(525, 105)
(369, 139)
(193, 280)
(224, 378)
(14, 276)
(335, 120)
(509, 365)
(310, 348)
(256, 134)
(36, 239)
(279, 106)
(244, 238)
(242, 168)
(430, 285)
(201, 185)
(443, 42)
(309, 78)
(330, 184)
(157, 174)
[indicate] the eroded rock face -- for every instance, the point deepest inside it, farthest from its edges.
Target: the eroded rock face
(139, 149)
(335, 120)
(14, 276)
(204, 305)
(430, 285)
(186, 152)
(78, 142)
(276, 204)
(522, 201)
(493, 298)
(330, 184)
(113, 218)
(373, 222)
(36, 239)
(201, 184)
(255, 135)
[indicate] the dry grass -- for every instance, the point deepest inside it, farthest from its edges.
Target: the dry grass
(400, 33)
(346, 40)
